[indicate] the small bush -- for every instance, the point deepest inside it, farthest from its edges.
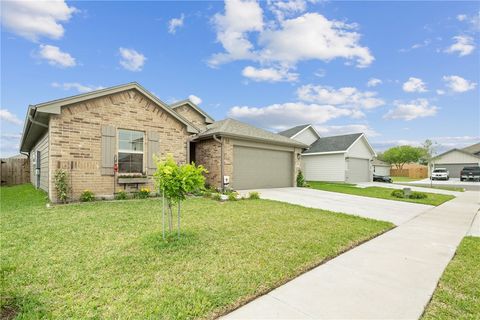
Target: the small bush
(61, 185)
(144, 193)
(254, 195)
(207, 194)
(120, 195)
(398, 194)
(418, 195)
(300, 179)
(232, 196)
(87, 196)
(217, 196)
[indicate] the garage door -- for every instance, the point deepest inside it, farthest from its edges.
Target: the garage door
(261, 168)
(454, 169)
(358, 170)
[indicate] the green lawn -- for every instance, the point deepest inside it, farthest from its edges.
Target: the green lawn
(107, 259)
(377, 192)
(458, 293)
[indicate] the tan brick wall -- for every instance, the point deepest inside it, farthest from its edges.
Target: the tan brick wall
(208, 154)
(192, 115)
(75, 137)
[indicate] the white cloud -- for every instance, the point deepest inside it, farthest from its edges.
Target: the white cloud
(444, 142)
(7, 116)
(76, 86)
(414, 85)
(285, 115)
(344, 97)
(280, 43)
(269, 74)
(320, 73)
(463, 45)
(131, 59)
(55, 56)
(232, 27)
(461, 17)
(321, 39)
(373, 82)
(440, 92)
(414, 109)
(472, 20)
(286, 8)
(35, 19)
(458, 84)
(424, 43)
(195, 99)
(9, 144)
(346, 129)
(175, 23)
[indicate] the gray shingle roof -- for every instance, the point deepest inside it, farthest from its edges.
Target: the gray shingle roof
(474, 149)
(237, 129)
(293, 131)
(377, 162)
(335, 143)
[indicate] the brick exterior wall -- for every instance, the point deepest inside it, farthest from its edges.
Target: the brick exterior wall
(75, 138)
(192, 115)
(208, 154)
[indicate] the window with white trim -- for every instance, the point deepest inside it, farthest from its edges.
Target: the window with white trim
(130, 151)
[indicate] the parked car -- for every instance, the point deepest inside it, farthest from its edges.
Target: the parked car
(470, 173)
(382, 178)
(440, 174)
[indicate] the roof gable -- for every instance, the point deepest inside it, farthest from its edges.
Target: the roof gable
(293, 131)
(188, 102)
(474, 149)
(38, 115)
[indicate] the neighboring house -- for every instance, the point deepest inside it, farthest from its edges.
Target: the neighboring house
(456, 159)
(90, 134)
(344, 158)
(380, 167)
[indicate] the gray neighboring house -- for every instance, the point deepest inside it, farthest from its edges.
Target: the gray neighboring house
(456, 159)
(343, 158)
(381, 168)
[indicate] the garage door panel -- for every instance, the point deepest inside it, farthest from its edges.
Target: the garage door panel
(358, 170)
(261, 168)
(454, 169)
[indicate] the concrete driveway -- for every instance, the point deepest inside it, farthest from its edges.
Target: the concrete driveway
(453, 182)
(397, 212)
(401, 186)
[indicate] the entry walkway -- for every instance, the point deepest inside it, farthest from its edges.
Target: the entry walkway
(390, 277)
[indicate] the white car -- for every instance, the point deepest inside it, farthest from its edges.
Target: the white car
(440, 174)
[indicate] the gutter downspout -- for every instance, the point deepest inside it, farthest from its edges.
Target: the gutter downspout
(221, 161)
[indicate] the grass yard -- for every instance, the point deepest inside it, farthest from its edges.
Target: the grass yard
(107, 259)
(458, 293)
(377, 192)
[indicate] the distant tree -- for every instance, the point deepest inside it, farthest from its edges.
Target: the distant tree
(380, 156)
(429, 150)
(400, 155)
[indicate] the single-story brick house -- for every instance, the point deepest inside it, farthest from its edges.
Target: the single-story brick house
(124, 126)
(455, 160)
(343, 158)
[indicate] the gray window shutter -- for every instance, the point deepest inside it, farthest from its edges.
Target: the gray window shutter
(108, 149)
(153, 148)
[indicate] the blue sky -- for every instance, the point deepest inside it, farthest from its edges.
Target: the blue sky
(401, 72)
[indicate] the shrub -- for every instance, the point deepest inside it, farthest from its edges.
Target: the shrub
(120, 195)
(87, 196)
(61, 185)
(217, 196)
(418, 195)
(144, 193)
(300, 179)
(398, 194)
(232, 196)
(254, 195)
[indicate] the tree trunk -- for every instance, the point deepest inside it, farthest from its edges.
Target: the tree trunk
(178, 218)
(170, 216)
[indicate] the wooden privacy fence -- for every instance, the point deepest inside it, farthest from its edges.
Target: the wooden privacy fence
(14, 171)
(419, 172)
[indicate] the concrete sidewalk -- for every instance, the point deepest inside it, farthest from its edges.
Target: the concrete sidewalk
(390, 277)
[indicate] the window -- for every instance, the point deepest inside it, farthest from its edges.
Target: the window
(130, 151)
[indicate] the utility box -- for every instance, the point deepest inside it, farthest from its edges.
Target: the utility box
(407, 192)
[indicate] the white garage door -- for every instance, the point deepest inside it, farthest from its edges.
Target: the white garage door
(381, 170)
(261, 168)
(454, 169)
(358, 170)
